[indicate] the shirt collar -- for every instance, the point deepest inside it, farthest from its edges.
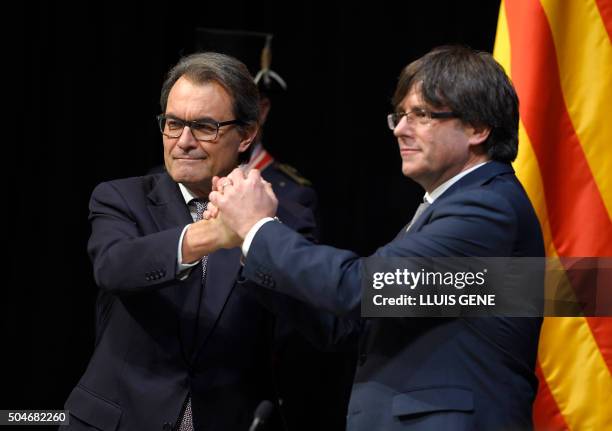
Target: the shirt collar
(438, 191)
(187, 195)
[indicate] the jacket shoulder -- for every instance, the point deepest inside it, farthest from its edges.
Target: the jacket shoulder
(131, 184)
(288, 172)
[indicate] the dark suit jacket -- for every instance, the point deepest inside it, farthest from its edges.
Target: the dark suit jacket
(159, 338)
(424, 373)
(311, 378)
(288, 188)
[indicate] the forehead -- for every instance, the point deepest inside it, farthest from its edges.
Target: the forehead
(413, 99)
(189, 100)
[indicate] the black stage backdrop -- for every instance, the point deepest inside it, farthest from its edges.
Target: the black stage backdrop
(91, 75)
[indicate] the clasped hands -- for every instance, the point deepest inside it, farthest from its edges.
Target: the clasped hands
(236, 203)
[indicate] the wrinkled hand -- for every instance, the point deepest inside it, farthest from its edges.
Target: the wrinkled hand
(242, 200)
(205, 236)
(211, 211)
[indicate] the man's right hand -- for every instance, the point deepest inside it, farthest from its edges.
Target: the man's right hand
(243, 201)
(205, 236)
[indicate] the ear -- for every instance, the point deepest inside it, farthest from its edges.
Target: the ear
(248, 136)
(478, 134)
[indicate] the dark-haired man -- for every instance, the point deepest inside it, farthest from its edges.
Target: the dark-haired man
(177, 346)
(456, 123)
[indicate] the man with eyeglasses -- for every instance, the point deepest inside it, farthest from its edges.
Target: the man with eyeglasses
(456, 123)
(178, 346)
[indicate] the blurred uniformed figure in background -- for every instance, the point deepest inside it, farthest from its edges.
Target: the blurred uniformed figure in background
(314, 386)
(255, 50)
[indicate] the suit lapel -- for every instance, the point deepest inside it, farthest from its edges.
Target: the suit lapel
(167, 206)
(198, 313)
(476, 178)
(168, 210)
(221, 274)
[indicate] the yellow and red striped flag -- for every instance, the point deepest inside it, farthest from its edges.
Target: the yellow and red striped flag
(559, 56)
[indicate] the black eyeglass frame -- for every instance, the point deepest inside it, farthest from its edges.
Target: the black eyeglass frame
(425, 113)
(193, 125)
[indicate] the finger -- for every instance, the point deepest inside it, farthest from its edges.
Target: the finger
(268, 187)
(254, 175)
(270, 192)
(211, 212)
(215, 181)
(236, 176)
(223, 183)
(214, 197)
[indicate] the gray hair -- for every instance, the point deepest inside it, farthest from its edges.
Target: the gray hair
(226, 71)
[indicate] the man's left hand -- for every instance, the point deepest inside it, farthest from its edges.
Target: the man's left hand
(243, 201)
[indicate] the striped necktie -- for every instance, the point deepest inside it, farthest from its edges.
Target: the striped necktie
(186, 419)
(200, 208)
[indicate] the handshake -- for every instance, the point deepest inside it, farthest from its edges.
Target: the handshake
(236, 203)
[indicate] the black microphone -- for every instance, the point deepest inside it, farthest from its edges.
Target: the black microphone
(262, 414)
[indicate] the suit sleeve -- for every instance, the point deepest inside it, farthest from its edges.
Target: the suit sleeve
(323, 329)
(475, 223)
(125, 259)
(478, 222)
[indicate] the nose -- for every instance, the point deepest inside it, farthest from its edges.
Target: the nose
(186, 140)
(403, 128)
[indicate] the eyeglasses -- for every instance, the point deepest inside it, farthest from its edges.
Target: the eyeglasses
(419, 116)
(202, 130)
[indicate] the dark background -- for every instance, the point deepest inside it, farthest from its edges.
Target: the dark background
(91, 78)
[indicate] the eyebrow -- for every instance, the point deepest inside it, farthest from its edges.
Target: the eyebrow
(413, 108)
(197, 120)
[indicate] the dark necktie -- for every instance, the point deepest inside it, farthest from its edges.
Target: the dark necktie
(200, 208)
(186, 421)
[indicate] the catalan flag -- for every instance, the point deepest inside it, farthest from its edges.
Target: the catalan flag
(559, 56)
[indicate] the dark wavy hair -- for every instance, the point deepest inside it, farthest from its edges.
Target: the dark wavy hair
(472, 84)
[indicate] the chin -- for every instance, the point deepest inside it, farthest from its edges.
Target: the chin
(413, 173)
(187, 178)
(407, 170)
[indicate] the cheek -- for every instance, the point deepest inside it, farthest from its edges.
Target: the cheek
(167, 146)
(223, 154)
(431, 152)
(437, 148)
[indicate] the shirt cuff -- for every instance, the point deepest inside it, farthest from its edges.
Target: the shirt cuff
(181, 267)
(246, 244)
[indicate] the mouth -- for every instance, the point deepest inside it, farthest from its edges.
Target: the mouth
(406, 151)
(190, 159)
